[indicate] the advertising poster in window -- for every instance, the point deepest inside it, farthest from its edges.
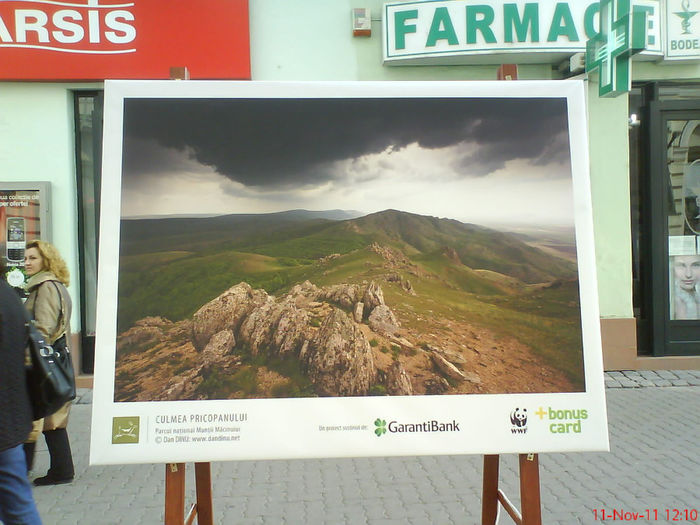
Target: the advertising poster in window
(22, 212)
(684, 256)
(293, 270)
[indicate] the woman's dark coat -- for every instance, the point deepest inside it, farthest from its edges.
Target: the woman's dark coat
(15, 410)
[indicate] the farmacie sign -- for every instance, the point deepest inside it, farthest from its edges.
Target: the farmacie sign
(461, 31)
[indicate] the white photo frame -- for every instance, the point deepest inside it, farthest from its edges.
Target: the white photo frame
(127, 428)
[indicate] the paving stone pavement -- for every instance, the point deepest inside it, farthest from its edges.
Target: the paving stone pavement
(652, 378)
(654, 465)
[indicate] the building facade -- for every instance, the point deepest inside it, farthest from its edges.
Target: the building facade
(644, 145)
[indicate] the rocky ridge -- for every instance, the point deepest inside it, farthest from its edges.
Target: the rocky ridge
(335, 340)
(330, 331)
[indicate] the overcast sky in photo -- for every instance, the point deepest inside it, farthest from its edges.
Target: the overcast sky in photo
(475, 160)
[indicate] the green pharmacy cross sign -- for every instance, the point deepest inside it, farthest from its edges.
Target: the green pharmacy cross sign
(622, 34)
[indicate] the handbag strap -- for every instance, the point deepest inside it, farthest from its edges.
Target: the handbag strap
(61, 314)
(28, 318)
(29, 326)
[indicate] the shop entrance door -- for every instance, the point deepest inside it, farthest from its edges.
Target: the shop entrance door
(674, 203)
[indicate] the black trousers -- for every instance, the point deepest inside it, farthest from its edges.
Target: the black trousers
(61, 466)
(60, 454)
(29, 449)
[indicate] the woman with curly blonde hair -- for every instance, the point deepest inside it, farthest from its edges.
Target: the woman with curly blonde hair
(50, 306)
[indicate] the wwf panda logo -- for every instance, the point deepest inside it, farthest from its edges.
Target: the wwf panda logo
(519, 417)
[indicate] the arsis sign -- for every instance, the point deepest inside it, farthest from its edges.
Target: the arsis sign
(99, 39)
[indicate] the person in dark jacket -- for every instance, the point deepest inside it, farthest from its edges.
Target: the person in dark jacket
(16, 501)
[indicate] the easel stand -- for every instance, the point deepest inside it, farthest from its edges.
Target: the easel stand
(529, 492)
(203, 510)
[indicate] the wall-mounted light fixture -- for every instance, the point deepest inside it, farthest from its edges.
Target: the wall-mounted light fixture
(361, 21)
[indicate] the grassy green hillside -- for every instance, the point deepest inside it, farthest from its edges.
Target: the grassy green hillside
(478, 247)
(171, 267)
(162, 234)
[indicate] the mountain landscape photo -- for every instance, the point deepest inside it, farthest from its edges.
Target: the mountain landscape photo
(295, 304)
(335, 246)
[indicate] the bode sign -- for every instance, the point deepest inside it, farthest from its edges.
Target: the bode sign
(444, 31)
(99, 39)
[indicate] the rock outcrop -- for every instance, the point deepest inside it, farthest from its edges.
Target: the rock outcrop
(319, 326)
(339, 358)
(451, 371)
(451, 254)
(219, 346)
(373, 296)
(227, 311)
(358, 312)
(436, 386)
(447, 368)
(138, 336)
(408, 287)
(345, 295)
(398, 383)
(383, 321)
(394, 258)
(326, 330)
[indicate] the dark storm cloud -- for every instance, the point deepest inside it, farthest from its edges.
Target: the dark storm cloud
(541, 151)
(280, 142)
(555, 150)
(147, 156)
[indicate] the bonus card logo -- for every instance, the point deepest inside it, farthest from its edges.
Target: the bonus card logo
(563, 421)
(125, 430)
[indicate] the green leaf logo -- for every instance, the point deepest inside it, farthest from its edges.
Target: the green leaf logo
(381, 427)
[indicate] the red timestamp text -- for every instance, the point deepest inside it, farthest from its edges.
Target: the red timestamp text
(647, 515)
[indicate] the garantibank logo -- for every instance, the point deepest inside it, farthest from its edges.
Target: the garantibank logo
(564, 421)
(87, 27)
(381, 427)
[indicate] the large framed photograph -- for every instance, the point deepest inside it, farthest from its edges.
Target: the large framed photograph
(292, 270)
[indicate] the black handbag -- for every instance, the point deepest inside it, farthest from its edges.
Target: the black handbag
(50, 378)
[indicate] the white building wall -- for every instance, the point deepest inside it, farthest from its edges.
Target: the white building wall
(37, 143)
(312, 40)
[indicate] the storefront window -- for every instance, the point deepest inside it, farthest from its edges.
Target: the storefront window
(683, 139)
(664, 139)
(88, 107)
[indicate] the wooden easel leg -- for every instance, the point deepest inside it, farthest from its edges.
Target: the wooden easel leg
(489, 497)
(530, 489)
(174, 493)
(205, 510)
